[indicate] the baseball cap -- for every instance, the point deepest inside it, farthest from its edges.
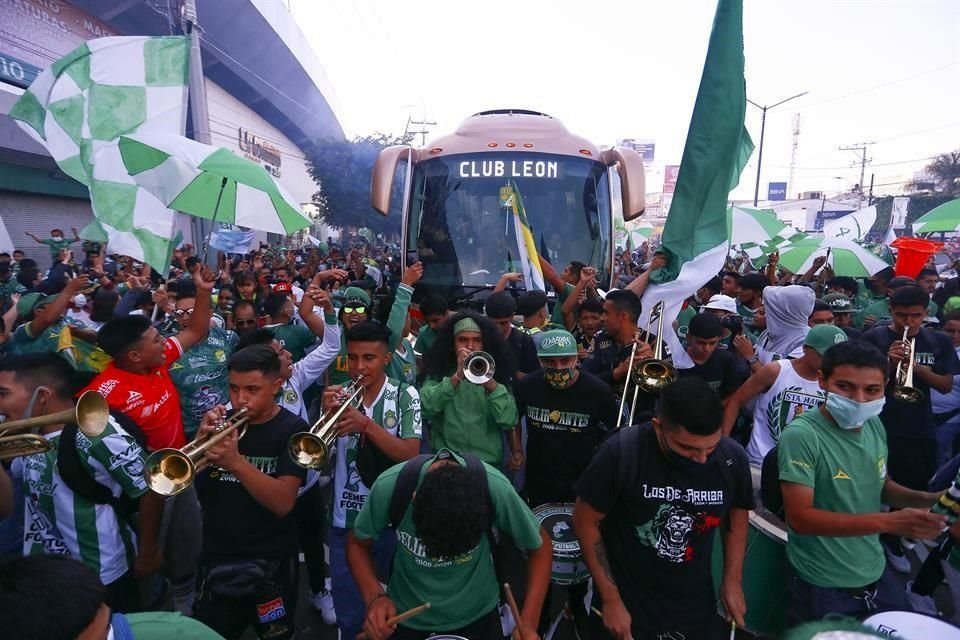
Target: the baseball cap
(29, 302)
(823, 336)
(556, 343)
(531, 302)
(838, 303)
(901, 281)
(722, 302)
(79, 300)
(357, 293)
(500, 305)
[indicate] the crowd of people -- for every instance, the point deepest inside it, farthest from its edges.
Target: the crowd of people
(510, 440)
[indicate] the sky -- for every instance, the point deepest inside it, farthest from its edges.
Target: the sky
(882, 71)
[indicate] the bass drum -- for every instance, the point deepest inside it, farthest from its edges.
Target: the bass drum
(764, 569)
(911, 626)
(447, 637)
(836, 629)
(568, 567)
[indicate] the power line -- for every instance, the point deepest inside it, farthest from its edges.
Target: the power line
(882, 85)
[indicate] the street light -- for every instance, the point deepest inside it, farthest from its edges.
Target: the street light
(763, 124)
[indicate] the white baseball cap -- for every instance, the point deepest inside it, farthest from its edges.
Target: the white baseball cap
(79, 300)
(722, 302)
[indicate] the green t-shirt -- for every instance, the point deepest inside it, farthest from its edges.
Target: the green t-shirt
(295, 338)
(683, 320)
(164, 625)
(57, 338)
(460, 590)
(403, 367)
(880, 309)
(201, 378)
(847, 471)
(557, 316)
(56, 246)
(425, 339)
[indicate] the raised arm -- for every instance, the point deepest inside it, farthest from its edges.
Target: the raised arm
(550, 275)
(639, 284)
(202, 311)
(754, 386)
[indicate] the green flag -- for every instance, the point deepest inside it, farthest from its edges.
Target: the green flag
(695, 237)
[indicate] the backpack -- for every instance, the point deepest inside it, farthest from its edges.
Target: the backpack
(79, 480)
(771, 496)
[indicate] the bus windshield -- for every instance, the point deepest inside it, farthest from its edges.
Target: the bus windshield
(463, 229)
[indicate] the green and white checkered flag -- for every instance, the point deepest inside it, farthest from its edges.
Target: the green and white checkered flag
(80, 106)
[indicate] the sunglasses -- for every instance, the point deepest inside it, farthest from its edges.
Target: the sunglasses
(183, 312)
(357, 310)
(245, 323)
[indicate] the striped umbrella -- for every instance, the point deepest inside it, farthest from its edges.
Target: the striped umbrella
(946, 217)
(752, 225)
(210, 182)
(846, 257)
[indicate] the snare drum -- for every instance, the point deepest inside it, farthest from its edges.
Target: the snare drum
(912, 626)
(568, 567)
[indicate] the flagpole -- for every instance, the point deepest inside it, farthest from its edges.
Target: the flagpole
(213, 222)
(199, 113)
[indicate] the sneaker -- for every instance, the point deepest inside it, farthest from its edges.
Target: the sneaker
(899, 562)
(323, 602)
(921, 603)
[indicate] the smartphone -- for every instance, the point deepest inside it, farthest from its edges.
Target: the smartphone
(412, 257)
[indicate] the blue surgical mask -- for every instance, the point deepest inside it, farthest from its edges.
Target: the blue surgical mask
(850, 414)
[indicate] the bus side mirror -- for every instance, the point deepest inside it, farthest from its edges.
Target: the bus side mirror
(632, 179)
(381, 178)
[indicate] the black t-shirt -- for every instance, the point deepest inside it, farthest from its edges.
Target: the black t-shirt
(932, 349)
(719, 371)
(852, 333)
(660, 521)
(523, 352)
(605, 356)
(235, 526)
(564, 427)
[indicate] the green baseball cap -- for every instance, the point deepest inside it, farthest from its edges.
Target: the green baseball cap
(356, 293)
(556, 343)
(30, 301)
(823, 336)
(839, 303)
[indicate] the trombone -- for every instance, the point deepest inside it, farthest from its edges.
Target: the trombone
(311, 449)
(651, 375)
(170, 471)
(91, 415)
(904, 389)
(479, 367)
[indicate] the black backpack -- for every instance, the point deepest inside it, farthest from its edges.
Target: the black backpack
(771, 496)
(79, 480)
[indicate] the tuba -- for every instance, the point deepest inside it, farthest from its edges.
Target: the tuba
(479, 367)
(91, 415)
(170, 471)
(904, 389)
(311, 449)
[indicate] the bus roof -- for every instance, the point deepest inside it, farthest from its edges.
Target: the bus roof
(508, 130)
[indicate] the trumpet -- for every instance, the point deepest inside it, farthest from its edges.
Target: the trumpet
(904, 389)
(311, 449)
(651, 375)
(91, 415)
(170, 471)
(479, 367)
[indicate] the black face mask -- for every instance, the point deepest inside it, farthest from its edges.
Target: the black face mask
(681, 461)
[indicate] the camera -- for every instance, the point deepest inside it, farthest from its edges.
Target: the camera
(734, 323)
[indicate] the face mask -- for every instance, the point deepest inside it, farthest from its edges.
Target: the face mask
(683, 462)
(851, 414)
(558, 378)
(33, 401)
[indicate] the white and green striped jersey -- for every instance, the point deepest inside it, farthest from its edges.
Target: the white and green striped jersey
(58, 521)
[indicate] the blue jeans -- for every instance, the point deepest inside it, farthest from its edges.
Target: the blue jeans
(347, 600)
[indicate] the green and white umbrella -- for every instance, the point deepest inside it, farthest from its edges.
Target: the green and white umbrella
(846, 257)
(210, 182)
(757, 226)
(946, 217)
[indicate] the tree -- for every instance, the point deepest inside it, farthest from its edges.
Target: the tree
(341, 169)
(943, 175)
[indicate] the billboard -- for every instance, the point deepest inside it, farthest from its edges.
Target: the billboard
(45, 30)
(776, 191)
(670, 173)
(642, 146)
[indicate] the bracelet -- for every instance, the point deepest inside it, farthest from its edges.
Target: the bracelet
(382, 594)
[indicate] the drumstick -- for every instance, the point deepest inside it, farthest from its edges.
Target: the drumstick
(513, 605)
(397, 619)
(733, 629)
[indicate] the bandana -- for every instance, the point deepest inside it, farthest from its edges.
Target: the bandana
(465, 324)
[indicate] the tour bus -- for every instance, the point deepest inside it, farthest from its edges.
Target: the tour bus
(458, 222)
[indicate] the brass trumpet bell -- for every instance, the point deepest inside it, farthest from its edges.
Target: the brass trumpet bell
(479, 367)
(91, 415)
(904, 390)
(170, 471)
(311, 449)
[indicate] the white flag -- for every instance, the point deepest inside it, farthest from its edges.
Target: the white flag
(890, 237)
(853, 226)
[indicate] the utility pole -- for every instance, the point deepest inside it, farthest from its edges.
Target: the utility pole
(198, 110)
(763, 126)
(424, 131)
(793, 152)
(860, 149)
